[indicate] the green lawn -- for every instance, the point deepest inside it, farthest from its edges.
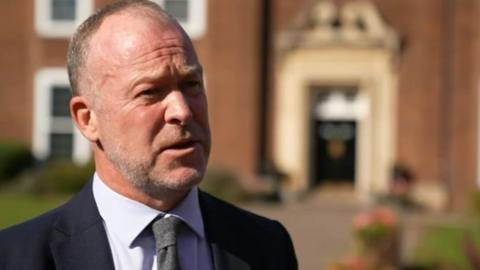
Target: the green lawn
(15, 208)
(445, 246)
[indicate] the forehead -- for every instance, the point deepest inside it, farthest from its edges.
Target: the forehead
(128, 37)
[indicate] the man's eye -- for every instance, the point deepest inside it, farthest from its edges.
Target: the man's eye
(192, 83)
(192, 86)
(150, 92)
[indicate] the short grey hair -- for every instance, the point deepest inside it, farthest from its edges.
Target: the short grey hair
(79, 44)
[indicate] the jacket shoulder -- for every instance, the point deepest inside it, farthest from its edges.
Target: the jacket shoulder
(236, 229)
(30, 237)
(232, 214)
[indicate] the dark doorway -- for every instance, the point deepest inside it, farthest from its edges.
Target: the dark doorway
(333, 151)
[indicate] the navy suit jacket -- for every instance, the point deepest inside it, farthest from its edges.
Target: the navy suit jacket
(72, 237)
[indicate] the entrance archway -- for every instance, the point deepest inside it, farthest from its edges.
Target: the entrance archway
(314, 59)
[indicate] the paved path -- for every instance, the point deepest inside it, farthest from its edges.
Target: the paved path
(319, 226)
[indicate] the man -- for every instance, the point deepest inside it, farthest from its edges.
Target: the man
(138, 97)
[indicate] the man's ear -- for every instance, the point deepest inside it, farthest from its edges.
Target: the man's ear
(84, 117)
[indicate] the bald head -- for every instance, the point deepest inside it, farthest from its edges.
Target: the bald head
(139, 98)
(80, 44)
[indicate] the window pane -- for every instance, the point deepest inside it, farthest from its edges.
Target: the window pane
(60, 101)
(63, 10)
(61, 146)
(178, 9)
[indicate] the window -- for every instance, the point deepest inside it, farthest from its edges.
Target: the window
(63, 10)
(191, 14)
(54, 135)
(177, 8)
(58, 18)
(60, 100)
(61, 146)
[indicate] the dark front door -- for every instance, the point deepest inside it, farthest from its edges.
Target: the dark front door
(333, 151)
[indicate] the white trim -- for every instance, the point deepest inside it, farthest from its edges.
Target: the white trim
(196, 24)
(47, 27)
(43, 121)
(337, 107)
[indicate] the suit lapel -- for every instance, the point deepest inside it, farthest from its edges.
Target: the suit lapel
(79, 240)
(224, 260)
(220, 237)
(83, 251)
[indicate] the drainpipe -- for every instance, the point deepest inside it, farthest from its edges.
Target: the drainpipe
(264, 162)
(265, 167)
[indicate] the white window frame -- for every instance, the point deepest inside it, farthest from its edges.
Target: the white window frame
(45, 79)
(47, 27)
(196, 24)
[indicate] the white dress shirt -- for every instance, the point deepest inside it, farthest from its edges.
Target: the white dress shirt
(133, 247)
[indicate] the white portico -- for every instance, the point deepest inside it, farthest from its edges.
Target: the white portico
(336, 99)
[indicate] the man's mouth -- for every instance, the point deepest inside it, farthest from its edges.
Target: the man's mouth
(182, 145)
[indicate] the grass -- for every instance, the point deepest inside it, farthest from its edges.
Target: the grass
(445, 247)
(18, 207)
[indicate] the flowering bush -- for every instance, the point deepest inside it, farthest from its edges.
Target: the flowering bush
(376, 238)
(375, 228)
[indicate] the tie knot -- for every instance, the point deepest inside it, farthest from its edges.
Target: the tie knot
(165, 231)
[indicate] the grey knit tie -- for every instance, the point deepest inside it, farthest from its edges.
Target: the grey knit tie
(166, 231)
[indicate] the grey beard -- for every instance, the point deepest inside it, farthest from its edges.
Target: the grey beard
(137, 173)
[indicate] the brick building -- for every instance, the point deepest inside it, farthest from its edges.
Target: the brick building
(327, 91)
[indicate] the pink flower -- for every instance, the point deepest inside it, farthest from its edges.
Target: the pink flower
(385, 217)
(376, 216)
(362, 220)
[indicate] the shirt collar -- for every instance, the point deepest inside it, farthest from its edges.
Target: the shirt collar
(127, 218)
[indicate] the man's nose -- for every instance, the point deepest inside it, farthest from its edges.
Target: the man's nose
(178, 110)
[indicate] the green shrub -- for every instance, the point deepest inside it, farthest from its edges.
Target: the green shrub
(14, 158)
(62, 177)
(224, 184)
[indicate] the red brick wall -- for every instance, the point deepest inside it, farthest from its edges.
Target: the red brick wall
(15, 100)
(464, 100)
(437, 113)
(230, 53)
